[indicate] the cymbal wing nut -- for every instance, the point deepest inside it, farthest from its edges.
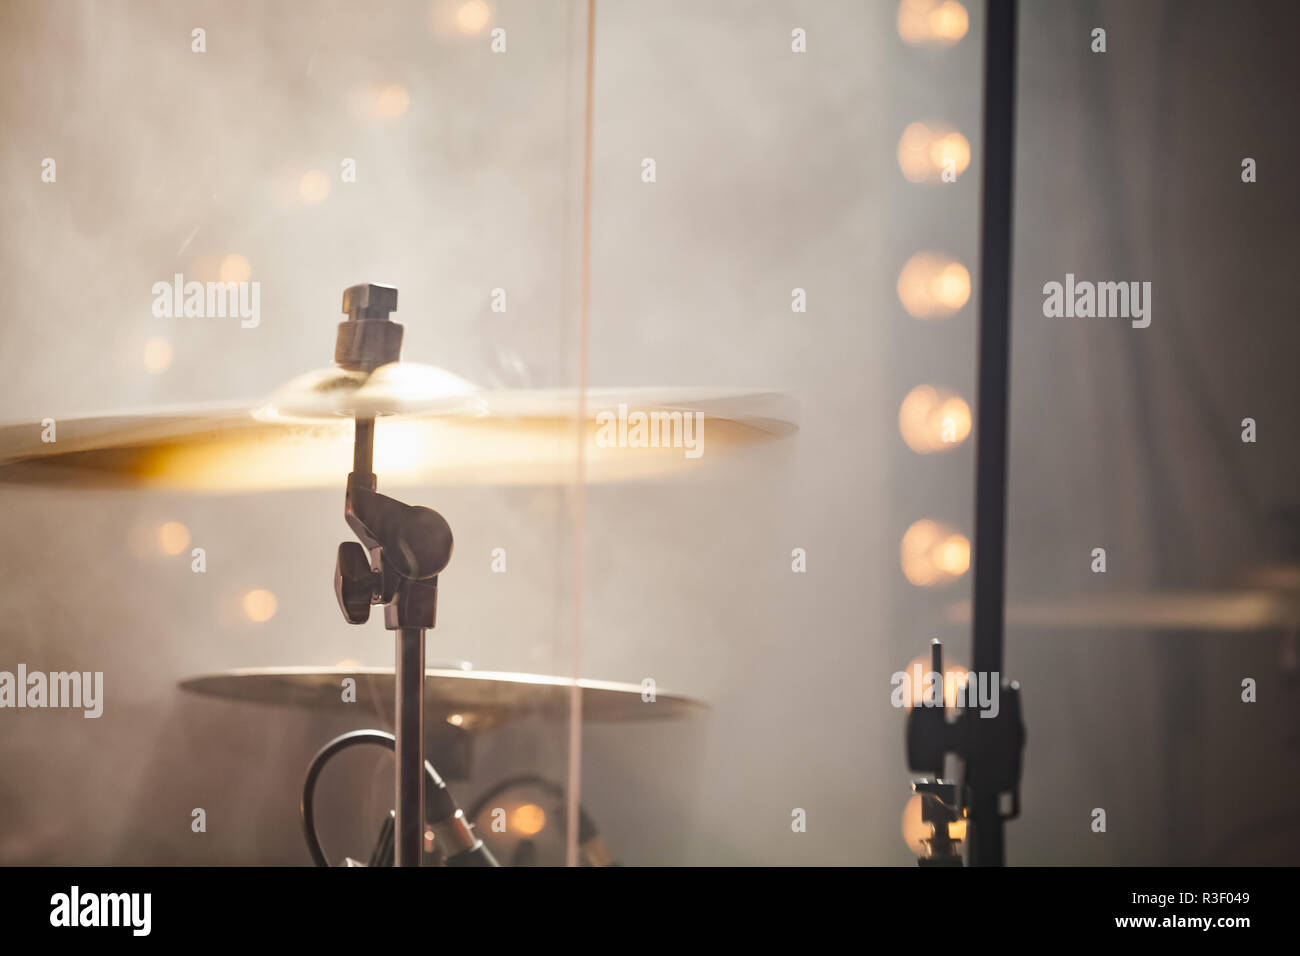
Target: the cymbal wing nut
(354, 582)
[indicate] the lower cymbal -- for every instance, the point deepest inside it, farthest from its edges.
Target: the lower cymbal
(473, 700)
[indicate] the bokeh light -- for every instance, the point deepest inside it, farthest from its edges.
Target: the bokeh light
(932, 286)
(259, 605)
(924, 150)
(472, 17)
(932, 22)
(933, 553)
(313, 187)
(235, 268)
(528, 819)
(933, 419)
(173, 537)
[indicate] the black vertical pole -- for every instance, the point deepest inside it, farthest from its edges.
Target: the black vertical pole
(408, 748)
(986, 848)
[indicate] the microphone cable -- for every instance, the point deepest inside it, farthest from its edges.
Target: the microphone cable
(447, 821)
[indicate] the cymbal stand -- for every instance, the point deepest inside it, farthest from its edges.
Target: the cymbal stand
(402, 550)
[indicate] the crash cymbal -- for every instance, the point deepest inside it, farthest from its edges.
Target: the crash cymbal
(431, 428)
(473, 700)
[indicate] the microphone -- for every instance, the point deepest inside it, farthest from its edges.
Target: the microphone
(460, 845)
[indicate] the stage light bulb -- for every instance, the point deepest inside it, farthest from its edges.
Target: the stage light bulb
(926, 149)
(932, 419)
(949, 21)
(952, 148)
(932, 286)
(528, 819)
(953, 555)
(954, 421)
(932, 22)
(173, 537)
(933, 553)
(952, 288)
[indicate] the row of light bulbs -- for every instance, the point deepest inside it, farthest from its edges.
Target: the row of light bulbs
(932, 286)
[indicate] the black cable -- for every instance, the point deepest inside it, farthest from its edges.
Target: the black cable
(443, 804)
